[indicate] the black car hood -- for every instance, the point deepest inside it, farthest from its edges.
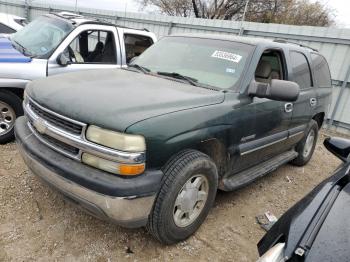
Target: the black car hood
(291, 227)
(333, 240)
(116, 99)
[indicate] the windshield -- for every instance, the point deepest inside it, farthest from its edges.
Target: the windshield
(216, 63)
(40, 37)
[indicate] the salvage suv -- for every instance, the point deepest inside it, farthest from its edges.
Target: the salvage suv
(151, 144)
(59, 43)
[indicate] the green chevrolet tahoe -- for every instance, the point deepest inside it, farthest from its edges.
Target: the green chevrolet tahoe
(150, 145)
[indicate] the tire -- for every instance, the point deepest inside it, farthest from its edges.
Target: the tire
(188, 167)
(10, 109)
(301, 148)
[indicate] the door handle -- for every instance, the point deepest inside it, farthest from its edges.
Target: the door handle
(288, 108)
(313, 101)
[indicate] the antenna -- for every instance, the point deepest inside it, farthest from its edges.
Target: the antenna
(126, 6)
(241, 29)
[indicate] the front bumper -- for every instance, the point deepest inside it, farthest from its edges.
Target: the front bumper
(125, 201)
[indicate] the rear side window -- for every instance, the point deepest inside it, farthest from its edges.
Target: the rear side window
(301, 70)
(321, 70)
(4, 29)
(135, 45)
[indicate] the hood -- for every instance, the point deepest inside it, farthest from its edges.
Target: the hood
(294, 223)
(333, 239)
(8, 54)
(116, 99)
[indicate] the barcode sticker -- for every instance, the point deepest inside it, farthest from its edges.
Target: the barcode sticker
(227, 56)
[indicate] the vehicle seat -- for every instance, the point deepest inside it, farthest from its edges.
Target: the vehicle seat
(263, 72)
(140, 47)
(130, 52)
(108, 55)
(95, 55)
(275, 75)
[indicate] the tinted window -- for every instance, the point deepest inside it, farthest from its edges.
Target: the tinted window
(301, 70)
(321, 70)
(5, 29)
(135, 45)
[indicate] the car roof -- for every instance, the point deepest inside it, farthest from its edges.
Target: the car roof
(256, 41)
(77, 19)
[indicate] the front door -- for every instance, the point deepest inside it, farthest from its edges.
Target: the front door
(271, 119)
(88, 47)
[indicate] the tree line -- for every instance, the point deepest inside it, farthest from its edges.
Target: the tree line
(292, 12)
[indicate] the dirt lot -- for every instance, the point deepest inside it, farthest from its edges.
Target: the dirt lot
(36, 224)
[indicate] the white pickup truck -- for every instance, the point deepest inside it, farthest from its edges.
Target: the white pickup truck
(58, 43)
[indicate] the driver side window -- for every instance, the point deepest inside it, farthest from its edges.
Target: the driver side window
(92, 47)
(270, 67)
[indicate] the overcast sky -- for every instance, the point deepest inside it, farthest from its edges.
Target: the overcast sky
(342, 7)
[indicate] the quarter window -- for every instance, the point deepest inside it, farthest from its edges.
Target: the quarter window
(321, 70)
(301, 70)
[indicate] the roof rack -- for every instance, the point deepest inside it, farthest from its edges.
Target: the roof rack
(71, 16)
(283, 41)
(68, 15)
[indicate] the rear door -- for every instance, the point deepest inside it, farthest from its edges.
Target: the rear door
(323, 82)
(304, 108)
(88, 47)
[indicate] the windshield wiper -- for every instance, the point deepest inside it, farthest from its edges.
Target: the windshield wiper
(188, 79)
(143, 69)
(24, 50)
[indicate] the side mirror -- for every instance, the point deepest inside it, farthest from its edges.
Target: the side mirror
(279, 90)
(339, 147)
(63, 60)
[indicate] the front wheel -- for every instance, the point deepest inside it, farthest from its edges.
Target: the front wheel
(10, 109)
(185, 198)
(306, 147)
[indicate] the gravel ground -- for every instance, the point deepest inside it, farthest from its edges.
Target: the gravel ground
(37, 224)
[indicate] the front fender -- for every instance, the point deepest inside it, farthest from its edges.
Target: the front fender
(171, 133)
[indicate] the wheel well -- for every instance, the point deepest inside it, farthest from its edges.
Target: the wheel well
(17, 91)
(319, 118)
(217, 152)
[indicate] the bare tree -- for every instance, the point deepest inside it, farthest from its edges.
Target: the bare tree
(295, 12)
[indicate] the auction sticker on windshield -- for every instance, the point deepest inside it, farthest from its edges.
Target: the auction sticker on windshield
(227, 56)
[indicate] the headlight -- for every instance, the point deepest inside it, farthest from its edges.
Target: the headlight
(119, 141)
(274, 254)
(113, 167)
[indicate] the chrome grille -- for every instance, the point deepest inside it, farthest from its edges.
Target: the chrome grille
(67, 136)
(62, 146)
(56, 121)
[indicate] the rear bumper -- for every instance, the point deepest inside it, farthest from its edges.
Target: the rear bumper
(126, 202)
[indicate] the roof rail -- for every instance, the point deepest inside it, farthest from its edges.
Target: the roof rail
(283, 41)
(68, 15)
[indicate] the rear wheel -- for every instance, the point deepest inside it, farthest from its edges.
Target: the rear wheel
(185, 198)
(306, 147)
(10, 109)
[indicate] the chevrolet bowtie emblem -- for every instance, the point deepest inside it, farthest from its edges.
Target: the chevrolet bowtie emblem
(40, 126)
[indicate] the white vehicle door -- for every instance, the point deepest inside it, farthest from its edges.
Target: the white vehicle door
(87, 47)
(134, 42)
